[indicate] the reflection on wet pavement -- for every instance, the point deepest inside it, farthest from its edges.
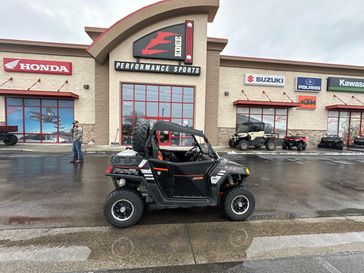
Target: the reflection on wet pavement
(101, 248)
(47, 191)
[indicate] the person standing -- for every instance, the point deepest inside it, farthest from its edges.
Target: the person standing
(77, 134)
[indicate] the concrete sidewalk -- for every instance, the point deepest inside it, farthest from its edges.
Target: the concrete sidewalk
(103, 248)
(96, 149)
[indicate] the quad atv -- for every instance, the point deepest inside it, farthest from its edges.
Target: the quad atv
(359, 142)
(295, 141)
(151, 176)
(9, 139)
(255, 134)
(331, 142)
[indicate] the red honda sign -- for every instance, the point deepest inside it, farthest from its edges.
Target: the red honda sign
(37, 66)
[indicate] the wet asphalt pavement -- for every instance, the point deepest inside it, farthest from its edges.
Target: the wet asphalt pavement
(47, 191)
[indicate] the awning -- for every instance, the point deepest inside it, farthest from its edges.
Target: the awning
(345, 107)
(275, 104)
(35, 93)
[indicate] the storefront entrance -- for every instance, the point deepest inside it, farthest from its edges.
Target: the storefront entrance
(154, 103)
(347, 125)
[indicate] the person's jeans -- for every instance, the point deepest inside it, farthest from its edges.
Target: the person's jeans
(77, 151)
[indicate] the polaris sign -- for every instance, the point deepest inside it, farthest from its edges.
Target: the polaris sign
(264, 80)
(308, 84)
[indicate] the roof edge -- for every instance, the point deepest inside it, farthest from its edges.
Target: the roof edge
(216, 44)
(148, 15)
(229, 60)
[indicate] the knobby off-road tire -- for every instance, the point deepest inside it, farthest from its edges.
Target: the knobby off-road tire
(304, 147)
(238, 203)
(231, 143)
(299, 147)
(284, 145)
(11, 139)
(140, 135)
(270, 145)
(123, 208)
(243, 145)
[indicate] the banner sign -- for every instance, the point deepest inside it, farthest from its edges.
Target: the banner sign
(308, 84)
(169, 43)
(157, 68)
(307, 102)
(345, 84)
(37, 66)
(264, 80)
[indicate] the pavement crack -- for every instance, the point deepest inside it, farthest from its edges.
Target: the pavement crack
(327, 265)
(190, 242)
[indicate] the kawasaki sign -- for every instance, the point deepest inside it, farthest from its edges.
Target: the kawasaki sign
(264, 80)
(345, 84)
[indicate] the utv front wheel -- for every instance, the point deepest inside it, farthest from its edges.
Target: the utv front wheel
(123, 208)
(270, 145)
(238, 203)
(243, 145)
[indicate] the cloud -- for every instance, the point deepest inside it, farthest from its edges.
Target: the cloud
(309, 30)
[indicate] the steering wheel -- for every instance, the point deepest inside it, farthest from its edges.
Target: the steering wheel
(193, 153)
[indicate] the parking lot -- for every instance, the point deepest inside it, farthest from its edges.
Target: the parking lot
(45, 190)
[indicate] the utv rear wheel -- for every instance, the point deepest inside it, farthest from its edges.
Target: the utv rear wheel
(123, 208)
(270, 145)
(10, 139)
(238, 203)
(299, 146)
(243, 145)
(140, 135)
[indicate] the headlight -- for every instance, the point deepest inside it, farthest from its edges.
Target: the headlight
(247, 171)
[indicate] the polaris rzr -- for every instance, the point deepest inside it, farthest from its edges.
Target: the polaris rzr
(255, 134)
(295, 141)
(331, 142)
(173, 178)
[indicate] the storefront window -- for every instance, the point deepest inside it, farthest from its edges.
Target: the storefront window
(41, 120)
(345, 124)
(157, 102)
(275, 119)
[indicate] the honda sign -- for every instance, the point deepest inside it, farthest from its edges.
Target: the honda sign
(37, 66)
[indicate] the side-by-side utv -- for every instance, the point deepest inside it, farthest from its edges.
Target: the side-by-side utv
(173, 178)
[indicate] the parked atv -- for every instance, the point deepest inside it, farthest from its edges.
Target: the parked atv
(331, 142)
(151, 176)
(9, 139)
(294, 141)
(255, 134)
(359, 141)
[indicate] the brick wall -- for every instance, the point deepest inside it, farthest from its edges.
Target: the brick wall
(224, 134)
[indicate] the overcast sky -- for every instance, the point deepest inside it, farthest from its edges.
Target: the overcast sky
(308, 30)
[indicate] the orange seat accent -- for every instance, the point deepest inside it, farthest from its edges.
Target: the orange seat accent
(159, 155)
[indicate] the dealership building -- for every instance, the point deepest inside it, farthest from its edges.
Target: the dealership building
(159, 64)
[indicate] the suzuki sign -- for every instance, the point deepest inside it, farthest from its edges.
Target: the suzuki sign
(264, 80)
(37, 66)
(308, 84)
(169, 43)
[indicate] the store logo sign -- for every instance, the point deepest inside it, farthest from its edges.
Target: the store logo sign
(345, 84)
(157, 68)
(37, 66)
(170, 43)
(264, 80)
(308, 84)
(307, 102)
